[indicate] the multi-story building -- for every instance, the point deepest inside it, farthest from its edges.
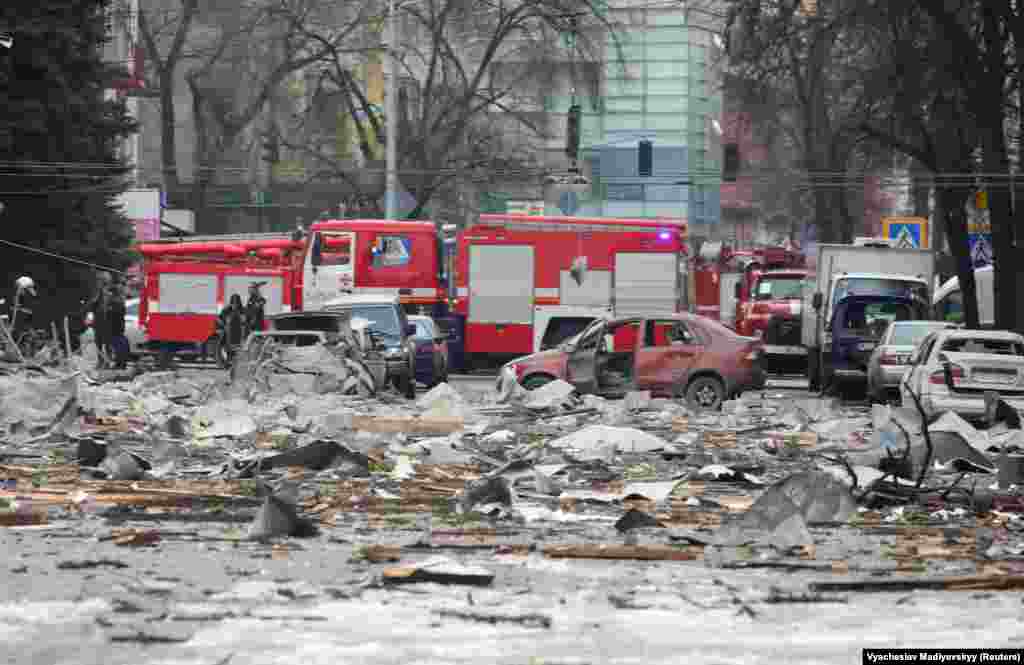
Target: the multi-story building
(650, 136)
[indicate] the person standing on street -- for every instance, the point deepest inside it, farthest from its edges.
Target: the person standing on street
(254, 309)
(100, 320)
(230, 329)
(116, 312)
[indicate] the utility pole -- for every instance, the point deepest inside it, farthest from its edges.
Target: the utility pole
(390, 119)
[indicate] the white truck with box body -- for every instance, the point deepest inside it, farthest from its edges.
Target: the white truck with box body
(865, 268)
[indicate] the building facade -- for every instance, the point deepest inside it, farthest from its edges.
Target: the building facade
(650, 132)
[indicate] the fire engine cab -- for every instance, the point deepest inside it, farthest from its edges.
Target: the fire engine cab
(526, 283)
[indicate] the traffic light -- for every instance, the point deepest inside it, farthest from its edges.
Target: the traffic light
(645, 158)
(730, 162)
(572, 132)
(271, 149)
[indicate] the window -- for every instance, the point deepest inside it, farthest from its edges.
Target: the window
(383, 320)
(910, 334)
(335, 249)
(391, 251)
(667, 333)
(880, 287)
(1002, 347)
(561, 328)
(779, 288)
(424, 329)
(874, 318)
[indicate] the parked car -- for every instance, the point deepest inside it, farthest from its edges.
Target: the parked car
(671, 355)
(858, 323)
(890, 359)
(133, 330)
(390, 328)
(311, 328)
(951, 370)
(431, 351)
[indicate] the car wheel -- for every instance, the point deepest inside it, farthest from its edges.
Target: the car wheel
(536, 381)
(705, 393)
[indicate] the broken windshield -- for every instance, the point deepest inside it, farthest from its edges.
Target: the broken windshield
(779, 288)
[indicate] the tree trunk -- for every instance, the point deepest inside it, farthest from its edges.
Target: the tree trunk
(990, 109)
(951, 203)
(1004, 253)
(168, 157)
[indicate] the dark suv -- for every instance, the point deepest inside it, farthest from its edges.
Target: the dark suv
(390, 330)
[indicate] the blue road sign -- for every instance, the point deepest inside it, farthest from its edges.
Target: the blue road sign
(568, 202)
(907, 231)
(981, 248)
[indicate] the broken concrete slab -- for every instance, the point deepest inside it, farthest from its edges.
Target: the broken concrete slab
(277, 518)
(551, 395)
(598, 437)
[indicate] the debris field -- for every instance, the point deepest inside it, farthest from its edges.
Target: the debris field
(165, 511)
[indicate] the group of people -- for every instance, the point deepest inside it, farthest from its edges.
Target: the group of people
(109, 311)
(236, 320)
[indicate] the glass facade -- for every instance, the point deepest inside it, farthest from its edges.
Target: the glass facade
(655, 88)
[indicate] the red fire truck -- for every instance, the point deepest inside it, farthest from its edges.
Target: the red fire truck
(525, 283)
(725, 282)
(188, 281)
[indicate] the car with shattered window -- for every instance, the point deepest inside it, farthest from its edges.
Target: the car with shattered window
(952, 370)
(889, 360)
(431, 351)
(350, 344)
(388, 326)
(672, 355)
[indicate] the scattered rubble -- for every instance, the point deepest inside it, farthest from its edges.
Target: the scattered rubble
(430, 491)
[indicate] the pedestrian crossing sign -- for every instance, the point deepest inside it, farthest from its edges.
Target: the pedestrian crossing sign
(907, 232)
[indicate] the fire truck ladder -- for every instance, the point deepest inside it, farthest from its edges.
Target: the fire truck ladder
(580, 225)
(228, 238)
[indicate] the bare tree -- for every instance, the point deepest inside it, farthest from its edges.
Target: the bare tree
(473, 74)
(809, 63)
(165, 33)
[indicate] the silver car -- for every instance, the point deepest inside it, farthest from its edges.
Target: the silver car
(891, 357)
(952, 370)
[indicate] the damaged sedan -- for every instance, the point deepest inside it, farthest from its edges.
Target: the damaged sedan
(951, 370)
(672, 355)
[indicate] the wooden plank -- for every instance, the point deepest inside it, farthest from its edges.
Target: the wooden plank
(634, 552)
(407, 424)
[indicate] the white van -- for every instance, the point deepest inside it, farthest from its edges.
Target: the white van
(948, 302)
